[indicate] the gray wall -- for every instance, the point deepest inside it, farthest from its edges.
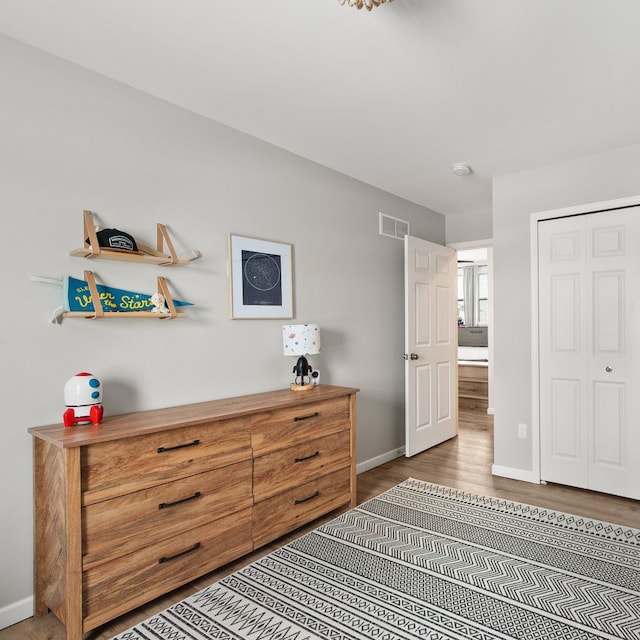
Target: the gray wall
(591, 179)
(469, 228)
(74, 140)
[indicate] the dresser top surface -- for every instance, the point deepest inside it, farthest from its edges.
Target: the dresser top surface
(141, 422)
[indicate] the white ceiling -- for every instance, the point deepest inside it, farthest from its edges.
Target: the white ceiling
(392, 97)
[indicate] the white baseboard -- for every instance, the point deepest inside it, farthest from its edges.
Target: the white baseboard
(496, 470)
(372, 463)
(16, 612)
(491, 411)
(515, 474)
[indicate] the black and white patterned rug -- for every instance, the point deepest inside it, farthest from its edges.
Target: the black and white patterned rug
(429, 562)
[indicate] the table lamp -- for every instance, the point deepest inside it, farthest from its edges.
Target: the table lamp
(301, 340)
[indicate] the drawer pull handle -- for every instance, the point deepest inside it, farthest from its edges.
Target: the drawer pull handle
(311, 415)
(164, 505)
(164, 559)
(311, 497)
(178, 446)
(313, 455)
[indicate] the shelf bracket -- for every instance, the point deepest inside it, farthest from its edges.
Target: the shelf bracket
(98, 311)
(162, 237)
(164, 290)
(89, 238)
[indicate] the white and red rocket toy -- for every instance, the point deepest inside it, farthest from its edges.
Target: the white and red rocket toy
(83, 399)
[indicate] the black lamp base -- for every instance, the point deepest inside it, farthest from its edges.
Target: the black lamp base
(302, 370)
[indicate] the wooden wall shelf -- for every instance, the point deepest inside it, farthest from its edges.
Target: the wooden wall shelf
(148, 255)
(100, 312)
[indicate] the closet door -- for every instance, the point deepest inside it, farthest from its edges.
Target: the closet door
(589, 286)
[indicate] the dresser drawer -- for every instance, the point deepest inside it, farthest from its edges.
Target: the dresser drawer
(114, 587)
(293, 466)
(291, 509)
(472, 372)
(289, 426)
(115, 527)
(116, 467)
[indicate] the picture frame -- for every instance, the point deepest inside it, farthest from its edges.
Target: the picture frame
(260, 278)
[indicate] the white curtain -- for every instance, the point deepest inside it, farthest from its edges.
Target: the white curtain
(469, 293)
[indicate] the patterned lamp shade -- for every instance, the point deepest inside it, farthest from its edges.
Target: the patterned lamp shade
(300, 339)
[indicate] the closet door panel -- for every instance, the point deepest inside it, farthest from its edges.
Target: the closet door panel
(589, 342)
(563, 352)
(613, 266)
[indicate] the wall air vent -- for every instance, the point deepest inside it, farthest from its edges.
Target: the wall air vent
(393, 227)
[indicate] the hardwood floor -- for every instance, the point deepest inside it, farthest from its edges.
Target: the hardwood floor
(463, 462)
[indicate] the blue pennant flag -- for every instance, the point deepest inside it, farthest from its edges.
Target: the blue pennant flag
(77, 297)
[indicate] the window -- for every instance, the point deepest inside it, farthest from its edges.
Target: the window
(473, 295)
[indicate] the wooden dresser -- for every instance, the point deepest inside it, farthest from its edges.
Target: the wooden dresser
(130, 509)
(473, 387)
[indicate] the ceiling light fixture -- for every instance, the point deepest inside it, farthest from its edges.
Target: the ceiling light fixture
(367, 4)
(461, 169)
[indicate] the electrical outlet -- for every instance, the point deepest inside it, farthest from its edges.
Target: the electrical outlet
(522, 430)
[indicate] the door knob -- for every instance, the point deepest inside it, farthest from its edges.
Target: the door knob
(608, 369)
(413, 356)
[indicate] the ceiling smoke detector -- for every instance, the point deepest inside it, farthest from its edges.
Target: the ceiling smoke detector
(461, 169)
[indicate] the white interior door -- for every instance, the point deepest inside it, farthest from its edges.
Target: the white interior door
(431, 344)
(589, 273)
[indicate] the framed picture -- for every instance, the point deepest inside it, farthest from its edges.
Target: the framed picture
(260, 279)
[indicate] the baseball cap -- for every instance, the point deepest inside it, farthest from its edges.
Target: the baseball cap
(116, 240)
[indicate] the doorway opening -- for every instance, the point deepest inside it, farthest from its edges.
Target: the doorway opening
(475, 328)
